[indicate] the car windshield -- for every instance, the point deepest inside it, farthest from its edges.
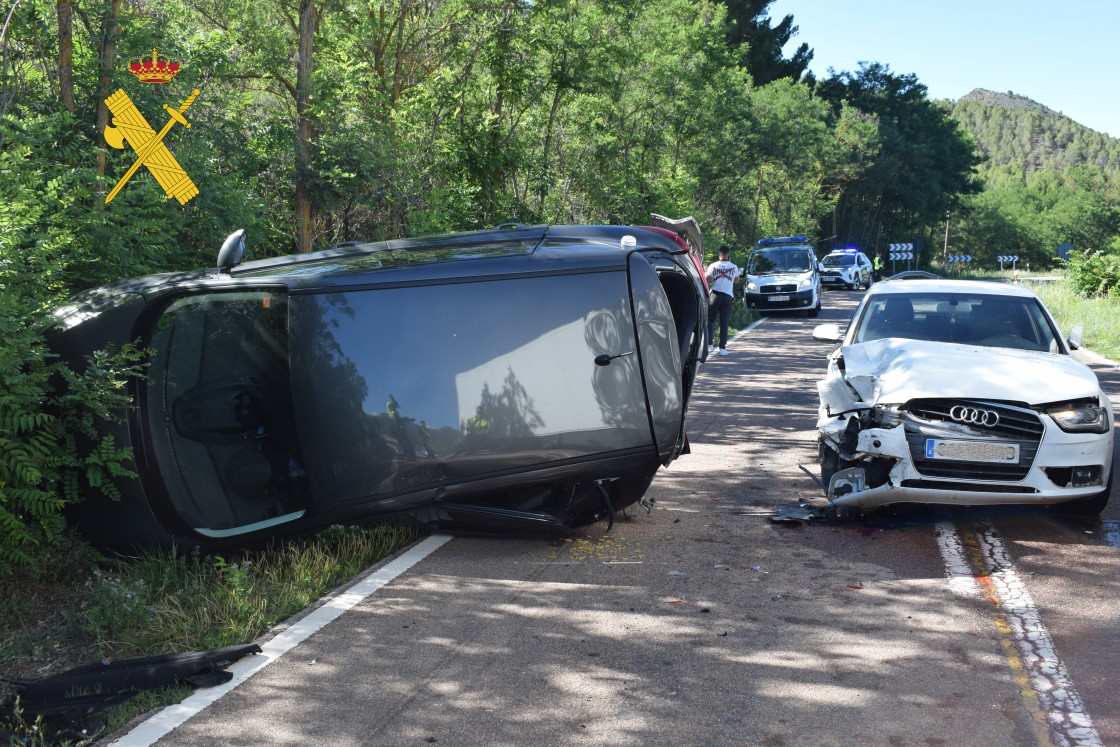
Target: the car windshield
(990, 320)
(839, 260)
(773, 261)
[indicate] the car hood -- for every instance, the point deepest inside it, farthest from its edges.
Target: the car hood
(896, 370)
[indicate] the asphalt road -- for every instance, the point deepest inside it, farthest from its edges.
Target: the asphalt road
(702, 623)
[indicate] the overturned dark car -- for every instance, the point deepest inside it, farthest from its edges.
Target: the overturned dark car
(522, 379)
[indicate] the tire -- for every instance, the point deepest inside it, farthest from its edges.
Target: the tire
(814, 312)
(1091, 506)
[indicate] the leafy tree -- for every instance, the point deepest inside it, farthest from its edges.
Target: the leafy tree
(925, 160)
(749, 30)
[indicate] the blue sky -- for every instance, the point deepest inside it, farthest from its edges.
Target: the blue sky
(1064, 55)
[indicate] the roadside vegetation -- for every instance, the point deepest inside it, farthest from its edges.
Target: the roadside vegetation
(86, 607)
(1099, 316)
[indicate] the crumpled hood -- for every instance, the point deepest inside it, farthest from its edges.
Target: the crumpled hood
(895, 370)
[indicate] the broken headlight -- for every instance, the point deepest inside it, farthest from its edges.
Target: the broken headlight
(1080, 417)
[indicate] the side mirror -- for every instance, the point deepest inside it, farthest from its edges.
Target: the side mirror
(828, 333)
(232, 251)
(1075, 335)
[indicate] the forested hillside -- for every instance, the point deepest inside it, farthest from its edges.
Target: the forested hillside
(1047, 181)
(1014, 130)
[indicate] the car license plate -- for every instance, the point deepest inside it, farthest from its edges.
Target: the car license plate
(972, 451)
(778, 298)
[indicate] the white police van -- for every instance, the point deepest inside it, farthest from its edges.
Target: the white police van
(781, 274)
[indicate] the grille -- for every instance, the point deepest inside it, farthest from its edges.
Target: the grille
(1016, 425)
(967, 487)
(788, 288)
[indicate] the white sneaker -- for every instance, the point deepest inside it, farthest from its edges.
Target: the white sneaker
(711, 348)
(723, 351)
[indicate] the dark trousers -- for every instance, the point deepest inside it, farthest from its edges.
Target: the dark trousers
(722, 306)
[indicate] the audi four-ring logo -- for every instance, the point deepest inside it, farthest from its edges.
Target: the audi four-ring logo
(974, 416)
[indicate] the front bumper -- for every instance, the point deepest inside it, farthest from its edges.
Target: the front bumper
(836, 280)
(1050, 478)
(802, 299)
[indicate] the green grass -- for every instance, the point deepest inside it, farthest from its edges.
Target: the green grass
(1100, 317)
(86, 608)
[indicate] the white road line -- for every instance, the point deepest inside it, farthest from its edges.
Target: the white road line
(169, 718)
(958, 571)
(1067, 722)
(747, 329)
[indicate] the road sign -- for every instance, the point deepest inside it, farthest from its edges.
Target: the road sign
(966, 258)
(900, 247)
(1008, 258)
(900, 255)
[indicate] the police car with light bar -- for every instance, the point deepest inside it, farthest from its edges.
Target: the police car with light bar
(846, 268)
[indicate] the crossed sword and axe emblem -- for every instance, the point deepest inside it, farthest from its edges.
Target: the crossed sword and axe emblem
(129, 125)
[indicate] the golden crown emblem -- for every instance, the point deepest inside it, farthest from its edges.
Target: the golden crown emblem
(155, 69)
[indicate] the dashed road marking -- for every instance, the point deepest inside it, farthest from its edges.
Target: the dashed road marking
(977, 565)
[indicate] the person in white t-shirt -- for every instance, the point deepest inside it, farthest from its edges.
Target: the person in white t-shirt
(722, 276)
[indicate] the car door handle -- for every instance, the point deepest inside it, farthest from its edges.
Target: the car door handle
(605, 360)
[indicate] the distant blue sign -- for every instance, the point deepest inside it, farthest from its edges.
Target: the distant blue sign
(1064, 249)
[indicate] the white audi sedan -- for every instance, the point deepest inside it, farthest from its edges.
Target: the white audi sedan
(960, 392)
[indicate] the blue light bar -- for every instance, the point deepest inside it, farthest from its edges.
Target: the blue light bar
(849, 250)
(784, 240)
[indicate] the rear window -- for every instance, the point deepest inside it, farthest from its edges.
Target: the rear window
(220, 418)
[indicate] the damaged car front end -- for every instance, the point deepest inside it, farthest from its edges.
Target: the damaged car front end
(957, 392)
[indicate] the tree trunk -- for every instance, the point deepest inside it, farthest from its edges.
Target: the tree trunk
(66, 54)
(556, 99)
(305, 130)
(104, 78)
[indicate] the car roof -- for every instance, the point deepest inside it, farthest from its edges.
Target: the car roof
(490, 253)
(942, 285)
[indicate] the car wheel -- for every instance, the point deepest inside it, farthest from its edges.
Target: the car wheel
(854, 285)
(1090, 506)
